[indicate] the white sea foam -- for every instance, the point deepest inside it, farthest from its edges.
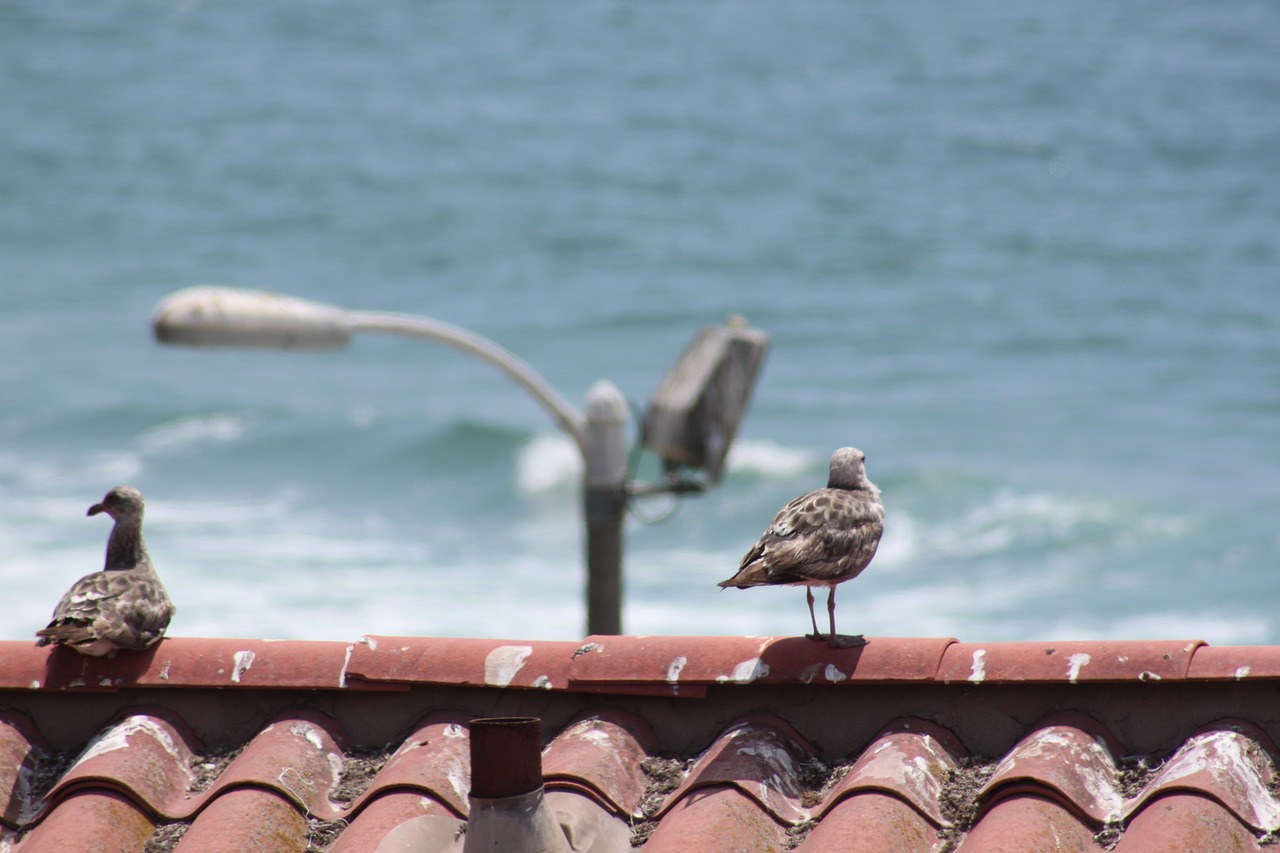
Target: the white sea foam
(546, 462)
(61, 473)
(182, 433)
(1216, 627)
(994, 526)
(769, 458)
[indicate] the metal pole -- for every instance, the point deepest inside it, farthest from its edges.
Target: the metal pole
(604, 505)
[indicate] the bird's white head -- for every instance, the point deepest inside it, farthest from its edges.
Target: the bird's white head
(122, 502)
(848, 470)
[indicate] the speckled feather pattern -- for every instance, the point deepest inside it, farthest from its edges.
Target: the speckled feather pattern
(821, 538)
(124, 606)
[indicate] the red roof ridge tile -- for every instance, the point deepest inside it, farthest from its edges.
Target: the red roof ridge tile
(1070, 661)
(636, 665)
(682, 662)
(1235, 663)
(534, 664)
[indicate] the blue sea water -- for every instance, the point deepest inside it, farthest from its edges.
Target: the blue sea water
(1023, 255)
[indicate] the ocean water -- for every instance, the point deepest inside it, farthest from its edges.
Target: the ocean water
(1023, 255)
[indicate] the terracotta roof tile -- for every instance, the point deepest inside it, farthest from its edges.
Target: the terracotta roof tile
(98, 820)
(759, 743)
(600, 756)
(758, 756)
(686, 661)
(910, 759)
(144, 757)
(297, 756)
(1180, 821)
(21, 747)
(1024, 823)
(383, 814)
(719, 818)
(1072, 758)
(1068, 662)
(258, 820)
(871, 822)
(481, 663)
(1235, 663)
(433, 763)
(1231, 763)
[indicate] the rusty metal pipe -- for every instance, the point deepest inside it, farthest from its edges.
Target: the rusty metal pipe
(506, 756)
(508, 812)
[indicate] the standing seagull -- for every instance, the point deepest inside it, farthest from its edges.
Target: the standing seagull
(822, 538)
(124, 606)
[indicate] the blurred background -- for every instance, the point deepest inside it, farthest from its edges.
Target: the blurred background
(1023, 255)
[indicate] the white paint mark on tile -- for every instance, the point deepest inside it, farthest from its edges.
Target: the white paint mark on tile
(746, 672)
(1075, 663)
(309, 732)
(502, 664)
(978, 673)
(673, 671)
(833, 674)
(346, 662)
(543, 681)
(243, 660)
(164, 670)
(459, 779)
(117, 737)
(1228, 755)
(1242, 672)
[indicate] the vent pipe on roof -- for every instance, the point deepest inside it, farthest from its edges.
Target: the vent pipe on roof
(508, 812)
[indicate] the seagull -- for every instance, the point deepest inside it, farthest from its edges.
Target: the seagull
(820, 539)
(124, 606)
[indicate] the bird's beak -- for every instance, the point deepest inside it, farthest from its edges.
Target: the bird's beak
(94, 510)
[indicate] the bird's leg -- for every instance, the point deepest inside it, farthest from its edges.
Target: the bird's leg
(837, 641)
(808, 594)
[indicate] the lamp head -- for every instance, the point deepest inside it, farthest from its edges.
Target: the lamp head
(206, 316)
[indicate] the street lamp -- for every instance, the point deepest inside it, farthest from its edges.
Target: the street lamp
(226, 317)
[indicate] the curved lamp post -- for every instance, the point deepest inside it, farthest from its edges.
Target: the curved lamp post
(227, 317)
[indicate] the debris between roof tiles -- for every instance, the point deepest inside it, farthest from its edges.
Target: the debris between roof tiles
(359, 767)
(166, 838)
(664, 775)
(928, 763)
(959, 799)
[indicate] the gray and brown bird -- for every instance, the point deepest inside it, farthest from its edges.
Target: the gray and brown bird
(820, 539)
(124, 606)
